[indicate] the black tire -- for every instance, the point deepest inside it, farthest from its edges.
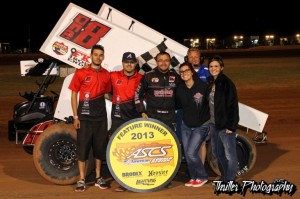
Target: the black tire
(246, 152)
(54, 154)
(11, 133)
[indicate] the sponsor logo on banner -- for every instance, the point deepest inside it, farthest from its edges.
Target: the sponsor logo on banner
(79, 58)
(60, 48)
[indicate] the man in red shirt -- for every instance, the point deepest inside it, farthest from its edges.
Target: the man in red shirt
(90, 117)
(124, 83)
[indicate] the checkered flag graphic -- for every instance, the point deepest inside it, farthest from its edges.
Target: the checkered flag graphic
(147, 61)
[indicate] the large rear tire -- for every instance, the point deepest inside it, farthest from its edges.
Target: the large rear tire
(246, 152)
(54, 154)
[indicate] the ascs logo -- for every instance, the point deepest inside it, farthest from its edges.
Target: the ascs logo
(143, 155)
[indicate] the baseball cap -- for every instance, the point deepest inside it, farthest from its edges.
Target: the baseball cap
(129, 56)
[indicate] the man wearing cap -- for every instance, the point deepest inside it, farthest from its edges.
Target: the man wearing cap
(124, 84)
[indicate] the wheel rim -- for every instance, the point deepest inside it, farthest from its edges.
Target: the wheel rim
(62, 154)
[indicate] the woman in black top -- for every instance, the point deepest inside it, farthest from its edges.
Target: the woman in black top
(190, 96)
(224, 118)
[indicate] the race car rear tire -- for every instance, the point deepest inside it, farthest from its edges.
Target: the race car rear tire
(11, 133)
(55, 154)
(246, 152)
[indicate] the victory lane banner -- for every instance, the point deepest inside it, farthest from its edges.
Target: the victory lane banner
(143, 155)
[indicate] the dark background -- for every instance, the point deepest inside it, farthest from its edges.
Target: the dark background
(185, 19)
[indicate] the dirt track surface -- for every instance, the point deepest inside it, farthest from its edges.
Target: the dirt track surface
(267, 83)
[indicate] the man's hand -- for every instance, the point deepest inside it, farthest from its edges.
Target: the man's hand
(144, 115)
(108, 96)
(76, 123)
(86, 66)
(228, 131)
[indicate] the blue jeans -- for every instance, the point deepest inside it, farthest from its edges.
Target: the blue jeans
(192, 138)
(224, 148)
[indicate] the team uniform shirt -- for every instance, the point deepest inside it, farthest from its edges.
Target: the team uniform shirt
(123, 88)
(92, 85)
(158, 90)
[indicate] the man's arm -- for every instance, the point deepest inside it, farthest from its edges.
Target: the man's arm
(74, 105)
(108, 96)
(139, 96)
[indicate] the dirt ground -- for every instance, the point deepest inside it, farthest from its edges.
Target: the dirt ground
(267, 83)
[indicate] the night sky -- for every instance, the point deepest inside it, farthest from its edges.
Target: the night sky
(177, 21)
